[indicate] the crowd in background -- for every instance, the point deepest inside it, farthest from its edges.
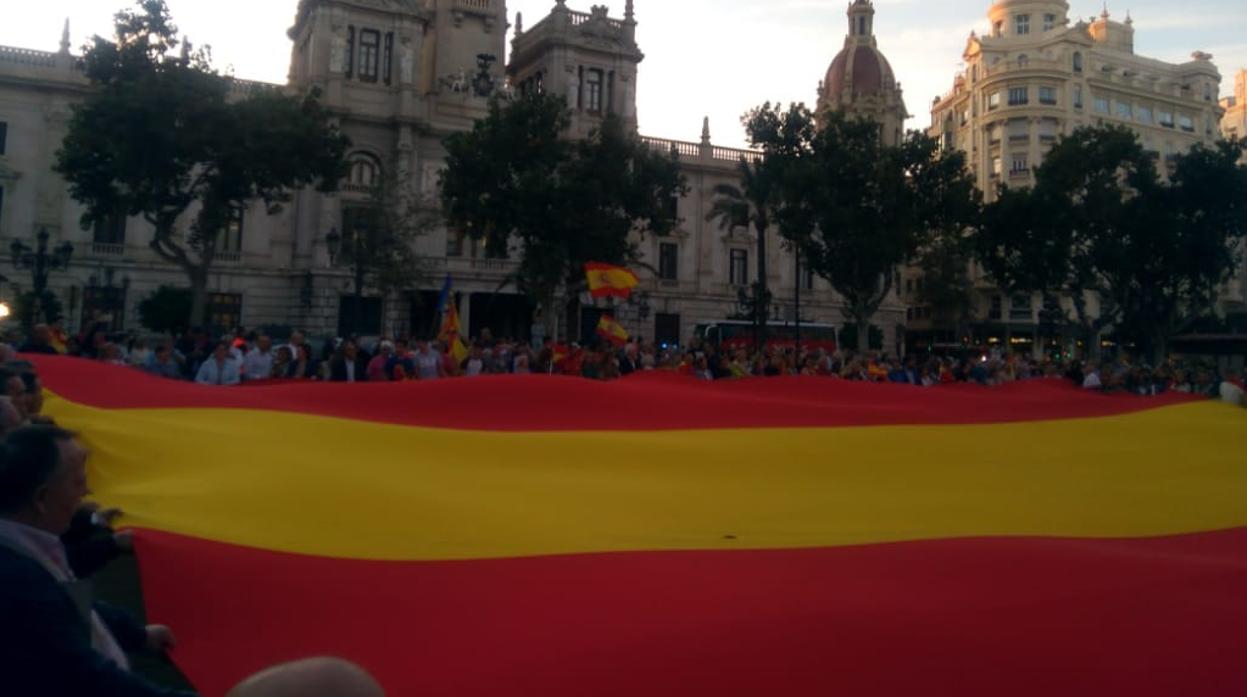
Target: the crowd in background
(252, 356)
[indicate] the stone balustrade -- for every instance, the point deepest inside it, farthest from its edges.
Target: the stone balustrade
(687, 150)
(25, 56)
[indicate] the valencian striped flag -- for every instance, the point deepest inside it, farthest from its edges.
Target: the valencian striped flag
(451, 333)
(660, 536)
(612, 331)
(608, 280)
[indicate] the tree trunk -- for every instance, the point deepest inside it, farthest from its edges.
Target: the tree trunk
(199, 297)
(863, 335)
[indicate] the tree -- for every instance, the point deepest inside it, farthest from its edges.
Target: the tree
(750, 205)
(379, 237)
(859, 209)
(160, 134)
(759, 202)
(165, 311)
(515, 177)
(1100, 224)
(946, 286)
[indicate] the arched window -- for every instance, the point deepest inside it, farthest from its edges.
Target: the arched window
(1077, 62)
(365, 171)
(861, 25)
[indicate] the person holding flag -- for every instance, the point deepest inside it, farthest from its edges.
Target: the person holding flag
(451, 334)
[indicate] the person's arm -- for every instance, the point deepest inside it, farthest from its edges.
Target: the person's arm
(49, 651)
(90, 555)
(233, 373)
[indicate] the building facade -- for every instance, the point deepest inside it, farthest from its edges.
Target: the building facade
(1040, 74)
(860, 81)
(399, 78)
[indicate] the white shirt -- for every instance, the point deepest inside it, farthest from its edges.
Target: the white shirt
(1231, 393)
(1092, 381)
(258, 365)
(46, 549)
(350, 370)
(211, 374)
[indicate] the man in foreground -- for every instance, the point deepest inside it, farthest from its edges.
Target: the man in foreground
(55, 639)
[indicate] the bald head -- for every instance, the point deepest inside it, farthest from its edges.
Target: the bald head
(314, 677)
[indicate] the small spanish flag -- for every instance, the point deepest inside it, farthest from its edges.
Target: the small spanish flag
(612, 331)
(452, 334)
(560, 352)
(606, 280)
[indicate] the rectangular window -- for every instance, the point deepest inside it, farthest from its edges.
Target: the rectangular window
(1143, 114)
(224, 311)
(610, 93)
(1023, 24)
(807, 278)
(1101, 105)
(1020, 307)
(454, 243)
(387, 60)
(998, 29)
(594, 92)
(1186, 123)
(1049, 22)
(1020, 165)
(669, 261)
(965, 117)
(738, 267)
(997, 309)
(231, 237)
(349, 67)
(369, 54)
(580, 87)
(997, 166)
(1165, 118)
(111, 230)
(993, 100)
(1077, 96)
(1124, 110)
(4, 136)
(1018, 96)
(1047, 95)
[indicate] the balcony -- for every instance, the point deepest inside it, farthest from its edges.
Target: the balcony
(105, 249)
(229, 257)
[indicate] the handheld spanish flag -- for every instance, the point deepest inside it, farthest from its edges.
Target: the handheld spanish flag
(665, 537)
(612, 331)
(451, 333)
(607, 280)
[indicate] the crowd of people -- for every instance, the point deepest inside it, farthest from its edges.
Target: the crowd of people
(253, 357)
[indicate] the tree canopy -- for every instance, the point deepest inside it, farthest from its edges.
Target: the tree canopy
(162, 132)
(1101, 224)
(857, 208)
(517, 178)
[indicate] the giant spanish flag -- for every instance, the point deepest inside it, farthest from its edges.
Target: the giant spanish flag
(535, 535)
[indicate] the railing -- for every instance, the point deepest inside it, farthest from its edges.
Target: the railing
(578, 18)
(688, 149)
(26, 56)
(228, 257)
(479, 5)
(107, 249)
(251, 86)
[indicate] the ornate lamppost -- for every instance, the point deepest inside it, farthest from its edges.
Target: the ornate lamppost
(41, 263)
(334, 242)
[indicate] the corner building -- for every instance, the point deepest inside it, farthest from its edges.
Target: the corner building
(1040, 74)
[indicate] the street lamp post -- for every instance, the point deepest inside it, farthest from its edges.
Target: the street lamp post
(41, 263)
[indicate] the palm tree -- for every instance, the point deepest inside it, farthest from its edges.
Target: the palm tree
(750, 205)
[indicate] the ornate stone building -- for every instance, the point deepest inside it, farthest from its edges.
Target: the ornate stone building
(1037, 75)
(860, 80)
(399, 76)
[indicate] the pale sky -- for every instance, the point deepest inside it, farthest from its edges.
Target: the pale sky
(713, 58)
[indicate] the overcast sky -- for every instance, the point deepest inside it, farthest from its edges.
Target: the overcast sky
(713, 58)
